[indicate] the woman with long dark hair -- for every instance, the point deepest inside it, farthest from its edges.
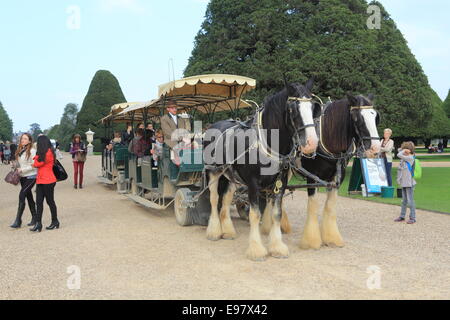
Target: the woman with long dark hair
(45, 182)
(78, 152)
(24, 164)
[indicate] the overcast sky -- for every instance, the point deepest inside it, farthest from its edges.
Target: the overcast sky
(49, 56)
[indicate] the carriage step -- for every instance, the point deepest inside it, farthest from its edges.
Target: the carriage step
(105, 181)
(146, 203)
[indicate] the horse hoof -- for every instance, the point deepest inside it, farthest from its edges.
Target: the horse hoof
(308, 246)
(335, 245)
(279, 252)
(257, 254)
(279, 256)
(228, 236)
(258, 259)
(214, 237)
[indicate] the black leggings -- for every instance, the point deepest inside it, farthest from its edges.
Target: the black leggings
(26, 193)
(47, 192)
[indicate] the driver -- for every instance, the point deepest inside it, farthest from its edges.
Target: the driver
(171, 123)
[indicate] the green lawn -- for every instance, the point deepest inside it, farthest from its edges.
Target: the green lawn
(432, 191)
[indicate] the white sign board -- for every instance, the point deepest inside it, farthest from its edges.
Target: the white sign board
(374, 172)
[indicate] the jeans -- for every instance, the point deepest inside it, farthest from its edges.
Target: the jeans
(25, 192)
(47, 192)
(388, 166)
(78, 168)
(408, 201)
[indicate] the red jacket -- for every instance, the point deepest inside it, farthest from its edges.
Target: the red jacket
(45, 173)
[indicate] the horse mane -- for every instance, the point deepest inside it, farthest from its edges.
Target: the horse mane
(274, 110)
(274, 117)
(337, 127)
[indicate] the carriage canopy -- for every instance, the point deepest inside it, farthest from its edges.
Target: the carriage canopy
(204, 93)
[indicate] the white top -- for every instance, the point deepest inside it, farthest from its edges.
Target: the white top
(387, 149)
(26, 164)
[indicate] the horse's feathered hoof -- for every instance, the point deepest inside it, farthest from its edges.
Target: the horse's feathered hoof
(257, 253)
(214, 238)
(280, 251)
(228, 236)
(334, 245)
(307, 245)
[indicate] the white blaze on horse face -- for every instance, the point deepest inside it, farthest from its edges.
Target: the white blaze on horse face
(370, 117)
(312, 141)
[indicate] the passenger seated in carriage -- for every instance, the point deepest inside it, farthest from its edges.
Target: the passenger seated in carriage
(157, 147)
(117, 139)
(138, 145)
(109, 149)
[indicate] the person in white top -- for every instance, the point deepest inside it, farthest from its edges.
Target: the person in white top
(24, 161)
(387, 146)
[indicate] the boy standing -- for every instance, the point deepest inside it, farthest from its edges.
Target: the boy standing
(405, 180)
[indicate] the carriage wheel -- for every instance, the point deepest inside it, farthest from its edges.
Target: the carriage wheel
(243, 209)
(182, 214)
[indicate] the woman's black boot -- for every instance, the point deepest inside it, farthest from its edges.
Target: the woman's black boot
(55, 222)
(33, 217)
(54, 225)
(38, 225)
(18, 222)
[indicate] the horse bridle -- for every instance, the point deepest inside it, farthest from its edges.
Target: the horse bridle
(297, 130)
(313, 125)
(361, 137)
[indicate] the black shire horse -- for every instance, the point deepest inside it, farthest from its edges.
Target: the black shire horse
(287, 119)
(347, 125)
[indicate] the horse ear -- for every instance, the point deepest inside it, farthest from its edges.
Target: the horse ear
(289, 88)
(352, 100)
(371, 96)
(286, 82)
(310, 84)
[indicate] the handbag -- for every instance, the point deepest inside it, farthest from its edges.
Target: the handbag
(13, 177)
(59, 171)
(80, 157)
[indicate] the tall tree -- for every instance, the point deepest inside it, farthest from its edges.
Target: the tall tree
(53, 132)
(67, 125)
(6, 125)
(35, 130)
(104, 92)
(328, 39)
(439, 126)
(446, 105)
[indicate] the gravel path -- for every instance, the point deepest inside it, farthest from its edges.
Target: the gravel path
(127, 252)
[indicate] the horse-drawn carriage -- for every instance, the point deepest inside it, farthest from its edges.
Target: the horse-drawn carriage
(315, 143)
(159, 186)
